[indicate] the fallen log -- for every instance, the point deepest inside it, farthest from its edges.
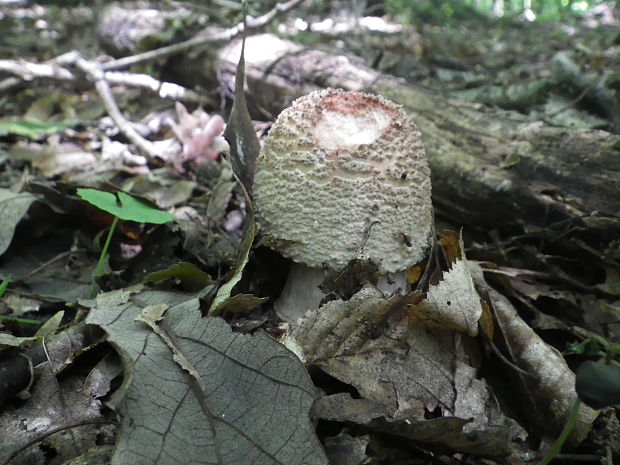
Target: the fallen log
(491, 169)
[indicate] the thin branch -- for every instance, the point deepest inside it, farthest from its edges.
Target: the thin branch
(56, 69)
(226, 35)
(166, 90)
(94, 71)
(58, 257)
(29, 71)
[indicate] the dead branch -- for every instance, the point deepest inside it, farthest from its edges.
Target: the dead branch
(490, 168)
(254, 25)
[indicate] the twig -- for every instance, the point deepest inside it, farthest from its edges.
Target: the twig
(60, 256)
(226, 35)
(167, 90)
(29, 71)
(96, 74)
(56, 70)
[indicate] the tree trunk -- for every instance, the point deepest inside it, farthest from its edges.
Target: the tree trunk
(491, 169)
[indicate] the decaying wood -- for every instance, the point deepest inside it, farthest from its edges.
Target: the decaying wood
(490, 168)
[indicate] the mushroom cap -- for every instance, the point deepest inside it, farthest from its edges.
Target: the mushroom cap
(343, 175)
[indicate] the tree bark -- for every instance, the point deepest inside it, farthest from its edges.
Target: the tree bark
(490, 168)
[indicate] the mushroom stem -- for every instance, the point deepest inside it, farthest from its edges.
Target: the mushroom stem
(302, 293)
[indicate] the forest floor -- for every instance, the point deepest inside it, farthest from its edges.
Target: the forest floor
(137, 319)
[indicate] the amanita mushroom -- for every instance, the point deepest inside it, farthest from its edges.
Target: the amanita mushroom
(344, 175)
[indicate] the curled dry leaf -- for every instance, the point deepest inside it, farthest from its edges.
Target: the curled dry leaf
(453, 301)
(341, 328)
(240, 133)
(551, 387)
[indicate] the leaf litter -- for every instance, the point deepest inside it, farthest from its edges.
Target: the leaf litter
(407, 364)
(411, 364)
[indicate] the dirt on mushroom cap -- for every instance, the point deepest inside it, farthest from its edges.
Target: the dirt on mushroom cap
(344, 175)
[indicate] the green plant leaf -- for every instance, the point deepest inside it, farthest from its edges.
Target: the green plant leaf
(125, 206)
(8, 340)
(591, 346)
(4, 285)
(51, 325)
(32, 128)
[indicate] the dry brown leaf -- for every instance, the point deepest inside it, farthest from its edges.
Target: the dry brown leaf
(551, 386)
(340, 328)
(453, 302)
(401, 370)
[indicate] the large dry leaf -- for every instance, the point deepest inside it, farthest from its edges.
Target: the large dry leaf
(195, 392)
(550, 388)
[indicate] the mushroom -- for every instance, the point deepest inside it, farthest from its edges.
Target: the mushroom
(343, 176)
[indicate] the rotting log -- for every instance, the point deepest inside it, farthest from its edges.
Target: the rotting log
(490, 168)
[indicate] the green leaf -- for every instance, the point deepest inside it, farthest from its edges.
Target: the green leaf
(33, 129)
(4, 285)
(51, 325)
(241, 303)
(125, 206)
(591, 346)
(8, 340)
(240, 133)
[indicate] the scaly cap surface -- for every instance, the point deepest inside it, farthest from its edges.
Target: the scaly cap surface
(344, 175)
